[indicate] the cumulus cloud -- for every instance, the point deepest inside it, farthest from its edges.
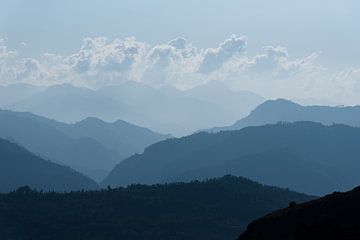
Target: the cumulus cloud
(103, 60)
(275, 63)
(170, 62)
(100, 61)
(215, 58)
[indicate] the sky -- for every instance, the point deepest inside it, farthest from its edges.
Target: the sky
(278, 48)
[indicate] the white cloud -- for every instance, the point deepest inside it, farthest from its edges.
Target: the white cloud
(275, 63)
(272, 72)
(215, 58)
(103, 61)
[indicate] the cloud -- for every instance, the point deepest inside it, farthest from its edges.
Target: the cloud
(170, 62)
(99, 58)
(102, 62)
(178, 43)
(215, 58)
(272, 72)
(275, 64)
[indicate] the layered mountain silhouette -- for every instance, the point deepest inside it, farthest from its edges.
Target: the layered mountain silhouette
(70, 104)
(303, 156)
(19, 167)
(213, 209)
(333, 217)
(91, 146)
(166, 109)
(281, 110)
(121, 136)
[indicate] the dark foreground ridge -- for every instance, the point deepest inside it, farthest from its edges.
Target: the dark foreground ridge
(213, 209)
(19, 167)
(333, 217)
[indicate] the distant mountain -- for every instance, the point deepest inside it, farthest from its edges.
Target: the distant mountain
(240, 103)
(333, 217)
(165, 109)
(281, 154)
(281, 110)
(70, 104)
(19, 167)
(91, 146)
(214, 209)
(13, 93)
(121, 136)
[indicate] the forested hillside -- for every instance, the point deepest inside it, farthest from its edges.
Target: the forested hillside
(214, 209)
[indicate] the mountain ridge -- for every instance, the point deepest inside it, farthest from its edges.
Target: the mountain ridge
(68, 144)
(282, 110)
(334, 216)
(214, 209)
(20, 167)
(333, 162)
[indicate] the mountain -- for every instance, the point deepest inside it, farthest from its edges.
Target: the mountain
(165, 109)
(16, 92)
(213, 209)
(121, 136)
(281, 110)
(280, 154)
(333, 217)
(240, 103)
(69, 104)
(91, 146)
(19, 167)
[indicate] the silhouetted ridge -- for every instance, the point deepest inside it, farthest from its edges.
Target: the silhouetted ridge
(333, 217)
(91, 146)
(280, 154)
(213, 209)
(19, 167)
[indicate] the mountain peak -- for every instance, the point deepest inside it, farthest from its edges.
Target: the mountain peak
(91, 120)
(279, 102)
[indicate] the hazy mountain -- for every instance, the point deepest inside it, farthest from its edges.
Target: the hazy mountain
(214, 209)
(280, 154)
(90, 146)
(121, 136)
(240, 103)
(71, 104)
(281, 110)
(334, 216)
(83, 154)
(166, 109)
(16, 92)
(19, 167)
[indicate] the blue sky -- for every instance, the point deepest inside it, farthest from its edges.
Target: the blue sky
(330, 26)
(328, 29)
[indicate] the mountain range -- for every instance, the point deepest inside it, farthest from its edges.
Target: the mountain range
(90, 146)
(166, 109)
(213, 209)
(281, 110)
(303, 156)
(19, 167)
